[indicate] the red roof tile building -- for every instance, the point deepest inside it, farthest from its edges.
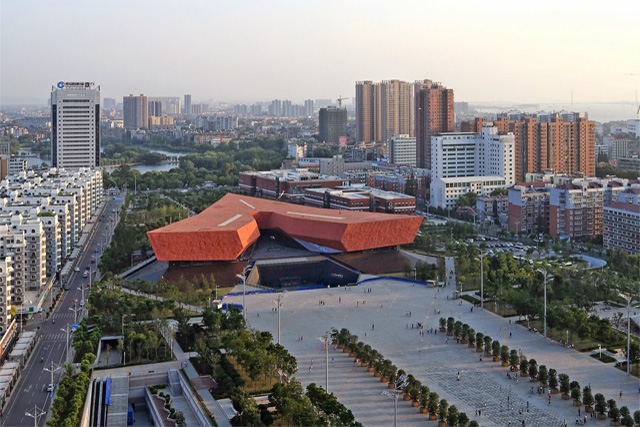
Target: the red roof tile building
(223, 231)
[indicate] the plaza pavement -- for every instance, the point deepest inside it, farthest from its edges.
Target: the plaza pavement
(483, 385)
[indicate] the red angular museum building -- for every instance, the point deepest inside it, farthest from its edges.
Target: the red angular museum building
(224, 230)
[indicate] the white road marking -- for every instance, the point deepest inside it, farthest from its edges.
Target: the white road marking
(315, 215)
(229, 221)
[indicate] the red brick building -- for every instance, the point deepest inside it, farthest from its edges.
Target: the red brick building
(433, 107)
(287, 185)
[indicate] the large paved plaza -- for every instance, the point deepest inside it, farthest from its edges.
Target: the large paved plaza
(380, 318)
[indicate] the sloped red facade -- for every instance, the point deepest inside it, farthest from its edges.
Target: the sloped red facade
(228, 227)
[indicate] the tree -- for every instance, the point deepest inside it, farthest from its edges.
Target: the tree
(452, 416)
(495, 348)
(433, 403)
(322, 152)
(442, 410)
(533, 369)
(471, 336)
(627, 421)
(487, 344)
(514, 359)
(504, 354)
(457, 329)
(463, 419)
(587, 397)
(479, 340)
(543, 374)
(424, 396)
(553, 379)
(601, 404)
(564, 383)
(467, 200)
(576, 394)
(524, 365)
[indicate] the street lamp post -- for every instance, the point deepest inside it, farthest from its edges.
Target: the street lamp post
(67, 330)
(75, 310)
(482, 255)
(546, 276)
(243, 277)
(37, 413)
(628, 300)
(52, 370)
(400, 383)
(278, 302)
(325, 340)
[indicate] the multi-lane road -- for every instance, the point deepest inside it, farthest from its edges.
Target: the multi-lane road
(30, 394)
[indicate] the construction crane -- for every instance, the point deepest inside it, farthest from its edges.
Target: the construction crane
(340, 101)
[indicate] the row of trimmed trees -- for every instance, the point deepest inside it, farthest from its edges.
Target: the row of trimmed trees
(419, 394)
(547, 377)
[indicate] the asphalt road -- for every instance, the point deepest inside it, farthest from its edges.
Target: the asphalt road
(31, 391)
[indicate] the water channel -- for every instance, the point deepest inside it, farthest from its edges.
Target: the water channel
(33, 161)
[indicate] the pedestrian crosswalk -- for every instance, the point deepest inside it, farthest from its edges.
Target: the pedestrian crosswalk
(57, 336)
(65, 317)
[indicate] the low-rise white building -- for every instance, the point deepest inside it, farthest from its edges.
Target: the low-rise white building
(633, 126)
(445, 191)
(402, 150)
(467, 154)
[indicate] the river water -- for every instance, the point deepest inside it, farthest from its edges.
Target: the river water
(165, 167)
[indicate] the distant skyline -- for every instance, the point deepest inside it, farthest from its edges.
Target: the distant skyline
(246, 51)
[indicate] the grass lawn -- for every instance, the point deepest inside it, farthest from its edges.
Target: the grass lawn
(500, 310)
(604, 359)
(470, 299)
(201, 302)
(580, 344)
(261, 385)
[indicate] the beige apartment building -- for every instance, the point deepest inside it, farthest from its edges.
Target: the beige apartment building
(383, 109)
(6, 277)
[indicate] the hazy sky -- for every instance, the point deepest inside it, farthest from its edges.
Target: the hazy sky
(235, 50)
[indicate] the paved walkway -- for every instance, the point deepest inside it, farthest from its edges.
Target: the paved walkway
(207, 398)
(483, 385)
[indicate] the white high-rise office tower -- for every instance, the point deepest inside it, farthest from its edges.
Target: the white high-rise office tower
(75, 125)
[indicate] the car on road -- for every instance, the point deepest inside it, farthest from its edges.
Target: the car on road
(77, 269)
(50, 388)
(85, 274)
(93, 260)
